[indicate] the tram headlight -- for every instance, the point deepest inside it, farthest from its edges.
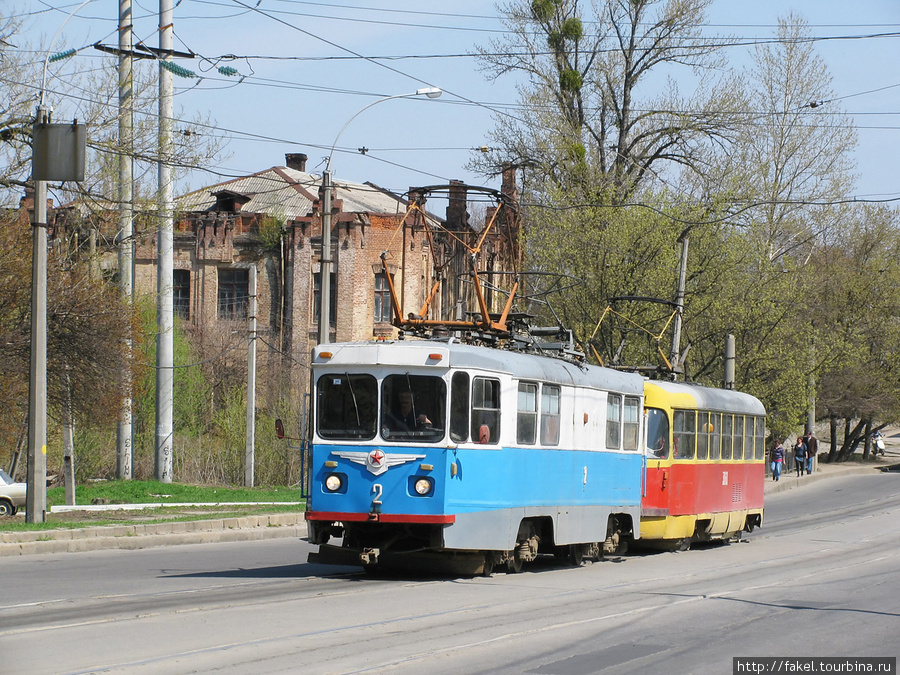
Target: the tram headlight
(333, 483)
(423, 486)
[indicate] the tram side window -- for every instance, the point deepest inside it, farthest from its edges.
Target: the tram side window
(715, 435)
(412, 408)
(459, 407)
(685, 422)
(748, 436)
(632, 425)
(758, 445)
(346, 406)
(614, 421)
(549, 415)
(703, 435)
(657, 433)
(486, 410)
(727, 430)
(526, 418)
(739, 437)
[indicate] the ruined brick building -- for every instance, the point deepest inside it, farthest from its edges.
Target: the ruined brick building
(271, 220)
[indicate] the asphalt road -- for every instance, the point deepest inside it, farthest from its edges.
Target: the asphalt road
(820, 579)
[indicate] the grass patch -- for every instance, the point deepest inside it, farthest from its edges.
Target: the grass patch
(154, 492)
(81, 519)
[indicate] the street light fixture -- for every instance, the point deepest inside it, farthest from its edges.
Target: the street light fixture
(325, 265)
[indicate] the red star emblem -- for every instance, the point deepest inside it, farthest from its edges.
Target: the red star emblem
(375, 457)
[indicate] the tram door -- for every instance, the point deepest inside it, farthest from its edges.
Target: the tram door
(657, 452)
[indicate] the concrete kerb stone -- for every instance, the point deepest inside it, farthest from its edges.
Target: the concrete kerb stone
(791, 481)
(132, 537)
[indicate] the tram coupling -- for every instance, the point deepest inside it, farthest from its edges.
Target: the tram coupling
(369, 556)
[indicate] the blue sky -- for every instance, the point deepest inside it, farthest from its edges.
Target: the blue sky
(300, 99)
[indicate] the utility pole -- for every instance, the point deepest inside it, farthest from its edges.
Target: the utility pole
(125, 430)
(36, 475)
(728, 379)
(325, 266)
(679, 304)
(57, 153)
(250, 455)
(165, 346)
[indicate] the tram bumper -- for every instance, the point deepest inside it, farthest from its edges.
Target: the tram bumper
(446, 562)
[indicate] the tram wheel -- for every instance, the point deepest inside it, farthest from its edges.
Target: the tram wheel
(576, 555)
(514, 563)
(683, 544)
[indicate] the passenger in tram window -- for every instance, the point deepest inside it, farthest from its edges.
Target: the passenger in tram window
(800, 455)
(777, 460)
(657, 434)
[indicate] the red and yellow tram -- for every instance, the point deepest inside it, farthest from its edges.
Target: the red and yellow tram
(705, 468)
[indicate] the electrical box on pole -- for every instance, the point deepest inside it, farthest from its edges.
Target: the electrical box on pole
(59, 151)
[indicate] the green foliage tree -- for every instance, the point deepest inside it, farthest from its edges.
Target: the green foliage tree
(857, 298)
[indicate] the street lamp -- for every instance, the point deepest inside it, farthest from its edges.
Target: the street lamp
(325, 265)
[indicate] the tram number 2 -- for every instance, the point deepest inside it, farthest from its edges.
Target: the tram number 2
(377, 490)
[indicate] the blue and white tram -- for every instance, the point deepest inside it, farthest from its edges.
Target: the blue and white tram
(447, 451)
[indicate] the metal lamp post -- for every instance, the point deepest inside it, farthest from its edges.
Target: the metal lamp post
(326, 262)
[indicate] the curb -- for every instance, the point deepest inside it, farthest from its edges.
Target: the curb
(133, 537)
(247, 528)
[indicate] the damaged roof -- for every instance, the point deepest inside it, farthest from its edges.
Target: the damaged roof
(290, 193)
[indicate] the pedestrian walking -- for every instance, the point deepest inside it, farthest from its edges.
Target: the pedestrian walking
(878, 443)
(777, 460)
(800, 456)
(812, 447)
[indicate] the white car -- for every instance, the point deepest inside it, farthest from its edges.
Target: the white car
(12, 495)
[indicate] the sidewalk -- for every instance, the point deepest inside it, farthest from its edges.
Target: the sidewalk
(139, 536)
(790, 480)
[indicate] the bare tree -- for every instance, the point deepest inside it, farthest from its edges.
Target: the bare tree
(86, 324)
(93, 93)
(582, 123)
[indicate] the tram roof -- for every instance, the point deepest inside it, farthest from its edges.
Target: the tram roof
(416, 353)
(708, 398)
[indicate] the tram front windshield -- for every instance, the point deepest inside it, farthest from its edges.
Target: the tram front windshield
(346, 406)
(412, 407)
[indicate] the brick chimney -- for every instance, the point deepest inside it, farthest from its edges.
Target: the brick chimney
(457, 216)
(508, 184)
(295, 160)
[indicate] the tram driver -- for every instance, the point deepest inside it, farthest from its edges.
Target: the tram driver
(404, 416)
(657, 434)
